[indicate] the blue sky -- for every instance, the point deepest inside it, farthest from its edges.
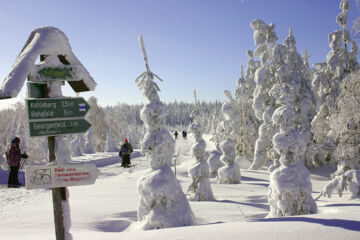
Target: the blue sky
(191, 44)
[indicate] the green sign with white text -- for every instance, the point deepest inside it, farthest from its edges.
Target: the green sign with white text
(50, 108)
(51, 128)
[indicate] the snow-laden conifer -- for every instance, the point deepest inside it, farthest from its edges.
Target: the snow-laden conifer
(339, 63)
(200, 188)
(247, 130)
(162, 202)
(345, 125)
(230, 173)
(304, 104)
(264, 103)
(290, 187)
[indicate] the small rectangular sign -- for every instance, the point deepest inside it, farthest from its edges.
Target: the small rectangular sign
(53, 176)
(47, 74)
(36, 90)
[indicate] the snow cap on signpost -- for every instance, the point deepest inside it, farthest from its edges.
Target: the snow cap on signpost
(46, 41)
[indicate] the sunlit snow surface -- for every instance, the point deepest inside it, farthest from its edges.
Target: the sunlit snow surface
(108, 209)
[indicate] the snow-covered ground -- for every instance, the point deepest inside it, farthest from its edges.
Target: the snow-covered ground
(108, 209)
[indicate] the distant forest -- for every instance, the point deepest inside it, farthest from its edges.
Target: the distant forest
(111, 124)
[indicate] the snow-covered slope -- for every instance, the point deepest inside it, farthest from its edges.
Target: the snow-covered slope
(108, 209)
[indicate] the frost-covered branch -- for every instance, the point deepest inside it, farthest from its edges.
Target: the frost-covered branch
(348, 181)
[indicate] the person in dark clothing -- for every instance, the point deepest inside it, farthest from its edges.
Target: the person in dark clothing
(125, 152)
(14, 156)
(184, 134)
(176, 135)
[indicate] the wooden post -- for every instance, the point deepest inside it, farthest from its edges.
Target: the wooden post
(58, 194)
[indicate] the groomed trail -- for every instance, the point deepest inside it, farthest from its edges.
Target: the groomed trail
(108, 208)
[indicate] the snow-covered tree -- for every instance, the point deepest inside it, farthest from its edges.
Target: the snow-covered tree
(162, 202)
(96, 116)
(89, 144)
(247, 131)
(110, 145)
(77, 144)
(290, 187)
(264, 103)
(230, 173)
(214, 161)
(300, 78)
(345, 125)
(339, 63)
(200, 188)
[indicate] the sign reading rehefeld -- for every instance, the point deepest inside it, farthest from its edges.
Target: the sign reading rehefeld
(49, 108)
(53, 176)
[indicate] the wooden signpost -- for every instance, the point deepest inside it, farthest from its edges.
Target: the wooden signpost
(51, 117)
(49, 113)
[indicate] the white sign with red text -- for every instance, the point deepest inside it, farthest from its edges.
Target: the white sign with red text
(53, 176)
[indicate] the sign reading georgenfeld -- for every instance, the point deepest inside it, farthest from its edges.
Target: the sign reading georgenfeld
(57, 127)
(49, 108)
(53, 176)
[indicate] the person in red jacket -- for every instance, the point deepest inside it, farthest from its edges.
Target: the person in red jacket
(14, 156)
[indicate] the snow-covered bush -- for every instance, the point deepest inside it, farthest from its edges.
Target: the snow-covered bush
(162, 201)
(200, 188)
(214, 161)
(230, 173)
(290, 191)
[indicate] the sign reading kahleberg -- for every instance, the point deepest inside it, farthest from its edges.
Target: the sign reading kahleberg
(48, 108)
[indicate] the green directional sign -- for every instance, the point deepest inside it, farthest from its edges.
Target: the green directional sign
(49, 108)
(51, 128)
